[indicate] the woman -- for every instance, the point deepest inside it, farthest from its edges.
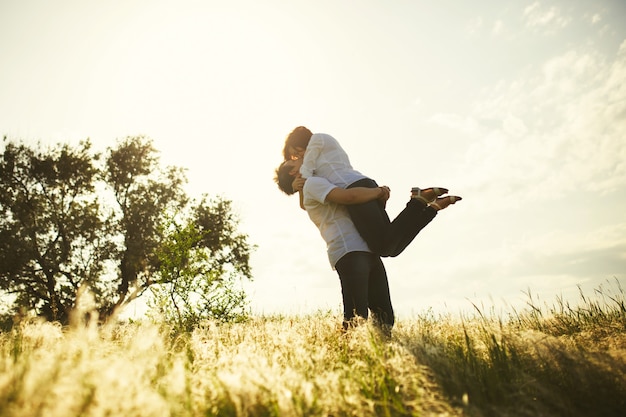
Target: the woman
(323, 156)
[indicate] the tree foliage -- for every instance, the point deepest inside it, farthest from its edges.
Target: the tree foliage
(52, 236)
(144, 193)
(201, 264)
(118, 227)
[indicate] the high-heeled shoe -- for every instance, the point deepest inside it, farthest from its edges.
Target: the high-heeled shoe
(427, 195)
(443, 202)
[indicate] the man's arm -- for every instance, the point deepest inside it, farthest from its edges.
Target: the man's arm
(357, 195)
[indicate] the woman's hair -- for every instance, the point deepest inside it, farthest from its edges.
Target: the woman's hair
(298, 138)
(284, 179)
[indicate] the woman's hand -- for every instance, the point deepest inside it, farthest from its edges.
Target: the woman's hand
(384, 196)
(298, 184)
(386, 193)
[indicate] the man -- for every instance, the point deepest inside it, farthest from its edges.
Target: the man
(364, 284)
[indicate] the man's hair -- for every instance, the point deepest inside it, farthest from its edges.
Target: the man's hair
(298, 138)
(284, 179)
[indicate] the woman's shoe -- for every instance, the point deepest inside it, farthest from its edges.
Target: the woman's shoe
(427, 195)
(443, 202)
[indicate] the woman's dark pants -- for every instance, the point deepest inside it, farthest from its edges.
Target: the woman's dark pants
(385, 237)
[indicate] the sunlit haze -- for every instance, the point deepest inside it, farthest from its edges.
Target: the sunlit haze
(519, 107)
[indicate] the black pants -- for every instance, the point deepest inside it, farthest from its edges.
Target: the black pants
(364, 286)
(385, 237)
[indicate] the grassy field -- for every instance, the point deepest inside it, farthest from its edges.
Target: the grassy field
(544, 361)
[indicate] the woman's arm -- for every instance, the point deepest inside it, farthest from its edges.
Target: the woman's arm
(312, 152)
(301, 195)
(297, 185)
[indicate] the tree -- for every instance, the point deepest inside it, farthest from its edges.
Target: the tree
(68, 223)
(52, 234)
(144, 194)
(201, 262)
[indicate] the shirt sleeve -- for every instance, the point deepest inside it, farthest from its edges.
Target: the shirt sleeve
(317, 189)
(312, 152)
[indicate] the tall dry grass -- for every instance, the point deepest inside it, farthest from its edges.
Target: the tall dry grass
(544, 361)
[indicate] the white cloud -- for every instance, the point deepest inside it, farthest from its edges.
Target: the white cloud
(547, 20)
(561, 129)
(475, 25)
(595, 18)
(532, 8)
(478, 24)
(464, 124)
(514, 126)
(568, 71)
(498, 27)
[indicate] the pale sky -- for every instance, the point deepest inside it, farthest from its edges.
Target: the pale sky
(519, 107)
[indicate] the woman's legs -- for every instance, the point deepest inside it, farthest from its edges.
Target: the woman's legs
(385, 237)
(370, 219)
(406, 226)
